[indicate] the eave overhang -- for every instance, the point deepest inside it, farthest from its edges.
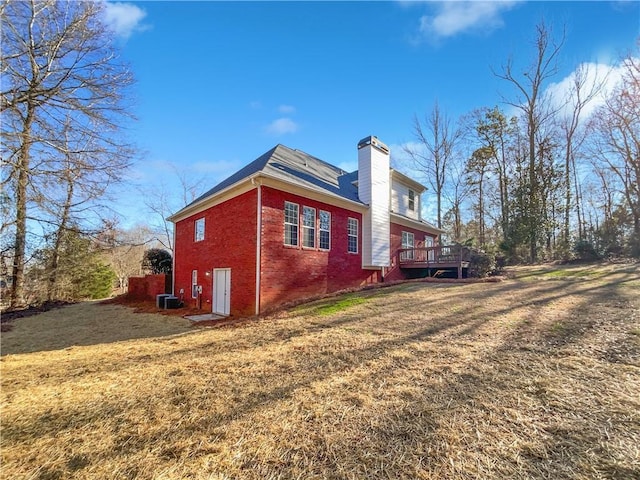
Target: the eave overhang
(418, 225)
(402, 178)
(261, 178)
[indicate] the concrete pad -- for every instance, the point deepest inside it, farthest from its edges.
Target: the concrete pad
(207, 317)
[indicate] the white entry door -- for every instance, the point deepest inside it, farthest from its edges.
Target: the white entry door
(222, 291)
(428, 242)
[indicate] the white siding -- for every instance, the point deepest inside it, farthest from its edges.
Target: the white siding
(373, 189)
(400, 200)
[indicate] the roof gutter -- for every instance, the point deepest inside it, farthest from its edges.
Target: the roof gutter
(199, 206)
(408, 180)
(411, 223)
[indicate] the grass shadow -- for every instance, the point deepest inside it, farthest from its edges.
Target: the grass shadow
(86, 324)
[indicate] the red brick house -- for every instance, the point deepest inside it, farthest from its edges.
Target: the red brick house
(290, 225)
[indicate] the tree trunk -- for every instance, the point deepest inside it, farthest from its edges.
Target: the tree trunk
(481, 211)
(17, 272)
(533, 191)
(55, 259)
(439, 206)
(504, 202)
(567, 195)
(578, 202)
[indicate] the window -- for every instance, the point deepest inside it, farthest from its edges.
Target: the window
(308, 227)
(407, 242)
(352, 234)
(291, 223)
(199, 230)
(412, 200)
(194, 284)
(325, 230)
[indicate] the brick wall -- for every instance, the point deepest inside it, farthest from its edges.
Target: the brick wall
(394, 273)
(290, 273)
(229, 242)
(287, 273)
(147, 287)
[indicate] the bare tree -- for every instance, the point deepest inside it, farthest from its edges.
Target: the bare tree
(437, 138)
(158, 202)
(74, 179)
(536, 112)
(123, 250)
(60, 74)
(161, 202)
(581, 93)
(616, 140)
(458, 189)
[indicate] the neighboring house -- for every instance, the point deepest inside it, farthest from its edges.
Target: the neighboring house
(289, 225)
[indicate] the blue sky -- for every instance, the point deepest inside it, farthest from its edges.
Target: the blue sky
(220, 83)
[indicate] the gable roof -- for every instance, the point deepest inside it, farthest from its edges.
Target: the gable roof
(289, 165)
(301, 169)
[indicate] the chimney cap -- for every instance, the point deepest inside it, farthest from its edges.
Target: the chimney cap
(374, 142)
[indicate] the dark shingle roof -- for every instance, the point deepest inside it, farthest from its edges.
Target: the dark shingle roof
(297, 167)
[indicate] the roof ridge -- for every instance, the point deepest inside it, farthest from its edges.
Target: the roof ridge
(320, 160)
(287, 163)
(252, 167)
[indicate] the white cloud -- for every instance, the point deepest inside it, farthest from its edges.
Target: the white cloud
(596, 73)
(124, 18)
(400, 159)
(348, 166)
(286, 109)
(282, 126)
(452, 18)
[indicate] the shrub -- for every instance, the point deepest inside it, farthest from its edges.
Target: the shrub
(481, 264)
(99, 282)
(585, 250)
(156, 261)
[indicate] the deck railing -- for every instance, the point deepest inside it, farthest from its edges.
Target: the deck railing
(434, 256)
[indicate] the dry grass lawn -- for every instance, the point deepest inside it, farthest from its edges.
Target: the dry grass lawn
(534, 377)
(84, 324)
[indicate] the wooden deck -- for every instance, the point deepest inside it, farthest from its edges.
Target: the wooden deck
(437, 258)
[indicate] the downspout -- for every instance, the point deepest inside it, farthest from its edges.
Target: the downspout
(258, 241)
(173, 263)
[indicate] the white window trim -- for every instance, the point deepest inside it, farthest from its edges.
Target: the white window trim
(410, 207)
(407, 235)
(305, 228)
(320, 230)
(195, 233)
(405, 244)
(194, 283)
(297, 225)
(349, 235)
